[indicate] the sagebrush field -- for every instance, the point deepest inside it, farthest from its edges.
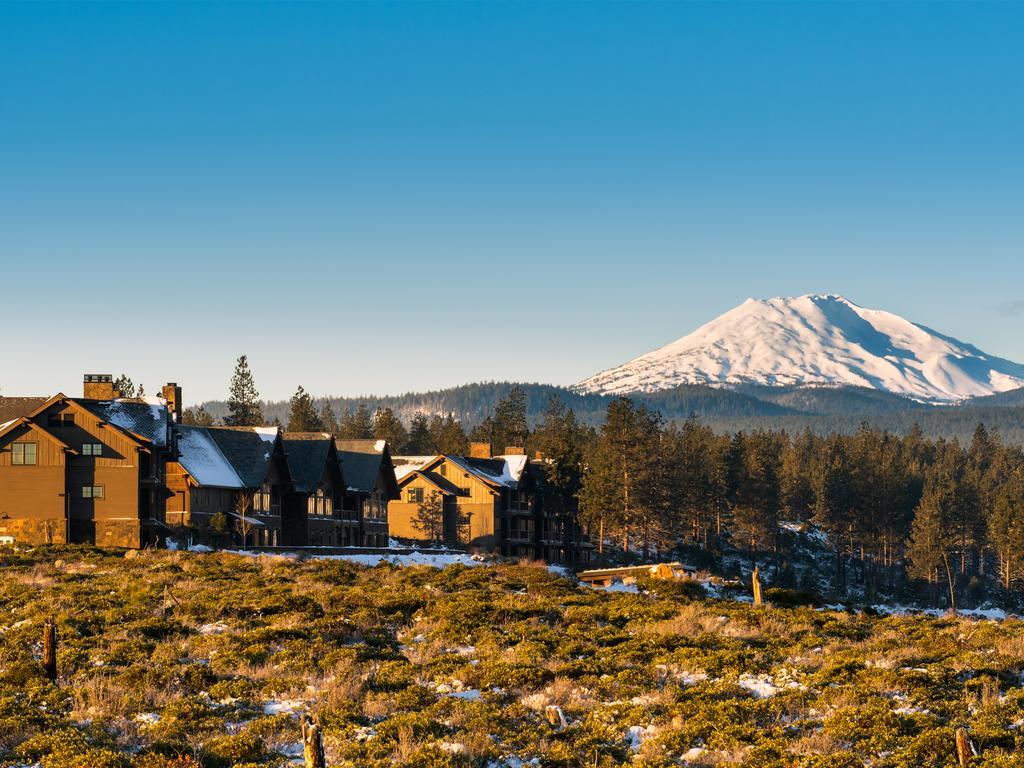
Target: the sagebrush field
(177, 659)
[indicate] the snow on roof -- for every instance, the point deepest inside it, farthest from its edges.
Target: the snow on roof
(145, 419)
(267, 433)
(6, 424)
(380, 445)
(204, 460)
(514, 466)
(400, 471)
(487, 469)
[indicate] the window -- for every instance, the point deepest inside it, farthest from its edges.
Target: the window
(261, 501)
(92, 491)
(416, 495)
(23, 453)
(92, 449)
(443, 470)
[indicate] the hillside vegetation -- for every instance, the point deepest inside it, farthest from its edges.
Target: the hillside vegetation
(187, 660)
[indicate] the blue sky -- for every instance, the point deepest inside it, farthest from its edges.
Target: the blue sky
(379, 198)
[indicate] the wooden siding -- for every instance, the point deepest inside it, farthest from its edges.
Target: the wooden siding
(32, 499)
(480, 506)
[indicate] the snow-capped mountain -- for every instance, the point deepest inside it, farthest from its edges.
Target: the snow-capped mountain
(816, 340)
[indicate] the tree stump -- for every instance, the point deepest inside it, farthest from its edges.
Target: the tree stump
(50, 650)
(556, 717)
(312, 744)
(964, 748)
(756, 579)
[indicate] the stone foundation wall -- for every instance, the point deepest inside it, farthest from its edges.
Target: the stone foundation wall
(34, 531)
(118, 533)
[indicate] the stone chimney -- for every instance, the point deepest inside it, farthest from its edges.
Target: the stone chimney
(514, 450)
(172, 394)
(99, 386)
(480, 450)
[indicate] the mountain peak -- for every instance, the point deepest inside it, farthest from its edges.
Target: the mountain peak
(816, 339)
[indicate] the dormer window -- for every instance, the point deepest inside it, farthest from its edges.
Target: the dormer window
(24, 454)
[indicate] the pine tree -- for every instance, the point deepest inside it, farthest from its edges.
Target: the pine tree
(243, 399)
(356, 425)
(928, 549)
(303, 416)
(387, 426)
(328, 419)
(196, 416)
(125, 386)
(419, 442)
(795, 481)
(623, 489)
(756, 491)
(448, 436)
(833, 503)
(429, 519)
(1006, 528)
(507, 426)
(559, 440)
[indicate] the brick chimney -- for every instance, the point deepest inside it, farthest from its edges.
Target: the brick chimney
(480, 450)
(172, 394)
(99, 386)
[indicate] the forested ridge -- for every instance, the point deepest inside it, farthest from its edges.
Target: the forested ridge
(820, 409)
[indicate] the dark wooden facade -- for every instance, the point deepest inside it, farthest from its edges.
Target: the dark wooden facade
(316, 499)
(371, 485)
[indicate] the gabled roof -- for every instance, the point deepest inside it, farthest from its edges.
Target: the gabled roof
(362, 462)
(24, 421)
(148, 420)
(203, 459)
(12, 408)
(443, 484)
(308, 454)
(496, 473)
(79, 405)
(248, 449)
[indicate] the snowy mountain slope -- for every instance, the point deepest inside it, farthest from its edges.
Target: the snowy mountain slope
(816, 340)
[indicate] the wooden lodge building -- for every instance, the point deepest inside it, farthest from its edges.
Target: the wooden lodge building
(490, 503)
(124, 472)
(84, 470)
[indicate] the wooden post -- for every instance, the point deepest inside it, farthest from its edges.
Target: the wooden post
(312, 744)
(50, 650)
(756, 578)
(964, 748)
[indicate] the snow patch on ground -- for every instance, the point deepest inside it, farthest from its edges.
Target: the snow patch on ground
(413, 558)
(215, 628)
(617, 586)
(283, 707)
